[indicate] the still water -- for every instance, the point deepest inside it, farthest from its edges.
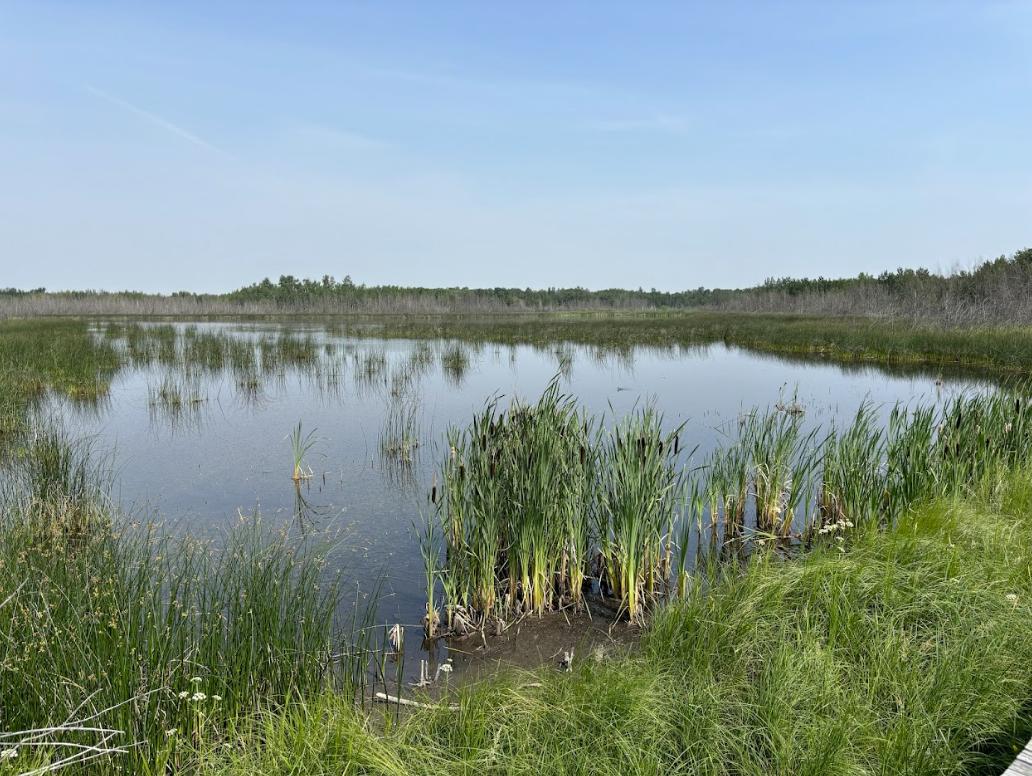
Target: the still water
(196, 441)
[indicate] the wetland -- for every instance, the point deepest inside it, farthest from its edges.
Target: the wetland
(302, 503)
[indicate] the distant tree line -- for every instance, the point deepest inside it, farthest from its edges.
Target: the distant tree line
(293, 293)
(998, 292)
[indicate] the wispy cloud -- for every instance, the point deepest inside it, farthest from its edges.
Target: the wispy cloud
(344, 138)
(160, 121)
(669, 124)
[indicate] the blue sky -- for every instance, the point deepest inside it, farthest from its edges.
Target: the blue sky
(205, 145)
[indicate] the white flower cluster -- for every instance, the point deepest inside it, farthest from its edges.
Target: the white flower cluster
(197, 696)
(838, 525)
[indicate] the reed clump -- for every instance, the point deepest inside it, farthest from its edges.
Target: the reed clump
(537, 501)
(538, 504)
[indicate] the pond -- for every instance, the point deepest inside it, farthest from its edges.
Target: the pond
(201, 420)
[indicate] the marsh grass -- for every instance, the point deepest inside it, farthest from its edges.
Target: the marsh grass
(164, 637)
(845, 339)
(535, 502)
(538, 503)
(907, 653)
(641, 496)
(40, 358)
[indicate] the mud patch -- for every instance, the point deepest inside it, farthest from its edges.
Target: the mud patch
(533, 641)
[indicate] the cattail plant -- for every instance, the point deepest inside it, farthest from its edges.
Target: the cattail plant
(639, 496)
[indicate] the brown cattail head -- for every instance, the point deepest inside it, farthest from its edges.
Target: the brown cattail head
(677, 443)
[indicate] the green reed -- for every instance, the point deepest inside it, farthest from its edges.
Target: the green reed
(728, 488)
(780, 466)
(515, 505)
(300, 446)
(851, 489)
(535, 500)
(640, 495)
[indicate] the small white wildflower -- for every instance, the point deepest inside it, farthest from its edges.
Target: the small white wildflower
(216, 698)
(196, 680)
(184, 694)
(198, 696)
(171, 732)
(1012, 597)
(446, 668)
(8, 754)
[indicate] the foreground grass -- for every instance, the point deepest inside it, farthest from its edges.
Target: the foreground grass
(905, 652)
(124, 645)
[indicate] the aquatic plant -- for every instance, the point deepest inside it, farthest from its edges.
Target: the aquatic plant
(300, 446)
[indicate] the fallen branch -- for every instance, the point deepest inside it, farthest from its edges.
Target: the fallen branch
(385, 698)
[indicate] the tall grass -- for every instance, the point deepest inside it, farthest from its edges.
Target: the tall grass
(641, 494)
(516, 499)
(529, 498)
(164, 637)
(536, 501)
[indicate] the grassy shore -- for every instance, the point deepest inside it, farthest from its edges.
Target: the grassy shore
(905, 652)
(126, 644)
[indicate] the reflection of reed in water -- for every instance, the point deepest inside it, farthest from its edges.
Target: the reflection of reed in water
(455, 364)
(401, 428)
(368, 368)
(179, 401)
